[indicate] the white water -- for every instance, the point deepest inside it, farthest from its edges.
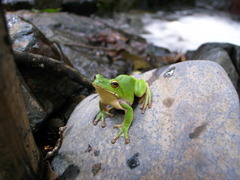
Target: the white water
(189, 32)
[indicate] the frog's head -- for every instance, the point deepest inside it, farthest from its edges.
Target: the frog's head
(105, 86)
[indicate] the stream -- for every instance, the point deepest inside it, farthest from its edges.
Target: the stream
(188, 29)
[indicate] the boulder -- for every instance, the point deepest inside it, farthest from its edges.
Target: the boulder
(225, 54)
(191, 132)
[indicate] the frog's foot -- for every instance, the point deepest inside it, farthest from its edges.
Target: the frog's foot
(95, 122)
(123, 129)
(127, 141)
(146, 101)
(99, 117)
(118, 126)
(110, 114)
(107, 111)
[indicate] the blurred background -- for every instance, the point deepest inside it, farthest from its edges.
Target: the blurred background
(59, 46)
(178, 25)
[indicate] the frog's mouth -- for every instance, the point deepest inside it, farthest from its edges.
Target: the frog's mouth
(101, 91)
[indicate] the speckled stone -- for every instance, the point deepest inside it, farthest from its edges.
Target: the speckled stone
(191, 132)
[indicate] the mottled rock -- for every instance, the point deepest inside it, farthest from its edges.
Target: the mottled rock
(191, 132)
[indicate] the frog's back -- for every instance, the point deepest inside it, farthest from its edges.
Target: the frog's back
(127, 85)
(126, 82)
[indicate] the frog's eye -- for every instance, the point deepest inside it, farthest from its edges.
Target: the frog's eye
(114, 84)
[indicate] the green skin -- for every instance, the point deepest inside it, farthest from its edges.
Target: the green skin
(119, 93)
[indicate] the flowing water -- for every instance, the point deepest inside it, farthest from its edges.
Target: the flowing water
(187, 30)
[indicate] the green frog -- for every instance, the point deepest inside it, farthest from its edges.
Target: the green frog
(119, 93)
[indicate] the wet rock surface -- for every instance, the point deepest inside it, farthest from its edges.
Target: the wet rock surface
(191, 131)
(26, 37)
(44, 91)
(93, 46)
(71, 29)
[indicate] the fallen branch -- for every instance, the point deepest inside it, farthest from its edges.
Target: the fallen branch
(50, 154)
(35, 60)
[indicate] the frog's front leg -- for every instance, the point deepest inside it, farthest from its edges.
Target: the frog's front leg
(101, 116)
(124, 127)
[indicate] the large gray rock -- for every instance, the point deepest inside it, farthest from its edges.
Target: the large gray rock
(191, 132)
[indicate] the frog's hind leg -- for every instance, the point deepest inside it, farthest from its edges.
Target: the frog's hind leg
(124, 127)
(146, 100)
(107, 111)
(143, 91)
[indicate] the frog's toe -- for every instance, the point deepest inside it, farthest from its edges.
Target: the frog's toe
(114, 140)
(95, 122)
(103, 124)
(143, 111)
(118, 126)
(127, 140)
(149, 105)
(123, 129)
(144, 106)
(110, 114)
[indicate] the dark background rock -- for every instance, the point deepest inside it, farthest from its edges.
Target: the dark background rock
(27, 38)
(36, 113)
(45, 91)
(225, 54)
(191, 131)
